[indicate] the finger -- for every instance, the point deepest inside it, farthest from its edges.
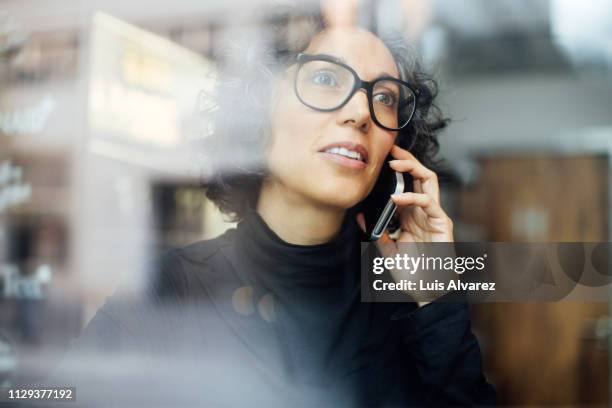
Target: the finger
(424, 201)
(407, 162)
(386, 245)
(425, 180)
(417, 186)
(385, 238)
(402, 154)
(412, 166)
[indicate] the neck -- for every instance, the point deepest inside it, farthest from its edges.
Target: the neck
(295, 219)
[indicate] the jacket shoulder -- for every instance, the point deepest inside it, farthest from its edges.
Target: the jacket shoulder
(186, 270)
(201, 251)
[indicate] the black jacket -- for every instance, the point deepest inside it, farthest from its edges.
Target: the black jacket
(207, 332)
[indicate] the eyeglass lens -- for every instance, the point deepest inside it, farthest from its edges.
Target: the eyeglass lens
(325, 85)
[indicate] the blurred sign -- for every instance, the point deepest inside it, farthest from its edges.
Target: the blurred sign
(29, 120)
(143, 91)
(13, 190)
(19, 286)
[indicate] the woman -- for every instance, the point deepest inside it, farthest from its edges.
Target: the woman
(275, 303)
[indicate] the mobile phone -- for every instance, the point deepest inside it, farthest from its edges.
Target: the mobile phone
(378, 208)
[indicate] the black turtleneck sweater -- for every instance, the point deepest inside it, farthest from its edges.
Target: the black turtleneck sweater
(264, 322)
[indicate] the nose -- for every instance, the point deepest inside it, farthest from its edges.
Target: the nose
(356, 112)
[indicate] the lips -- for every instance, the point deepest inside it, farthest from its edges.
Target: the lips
(349, 150)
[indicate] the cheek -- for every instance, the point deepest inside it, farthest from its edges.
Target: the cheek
(291, 136)
(382, 148)
(378, 154)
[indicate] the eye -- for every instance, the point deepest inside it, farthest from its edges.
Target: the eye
(324, 78)
(386, 98)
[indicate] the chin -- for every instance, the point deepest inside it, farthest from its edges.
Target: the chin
(341, 196)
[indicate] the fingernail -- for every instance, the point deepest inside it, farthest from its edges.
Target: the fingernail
(391, 162)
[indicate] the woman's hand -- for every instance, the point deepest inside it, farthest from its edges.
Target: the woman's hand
(421, 217)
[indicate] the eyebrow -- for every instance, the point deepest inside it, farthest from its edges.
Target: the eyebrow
(343, 61)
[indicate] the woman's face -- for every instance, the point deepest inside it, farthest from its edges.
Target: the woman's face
(300, 136)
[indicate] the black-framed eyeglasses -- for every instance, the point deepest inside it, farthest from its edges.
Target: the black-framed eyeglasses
(324, 83)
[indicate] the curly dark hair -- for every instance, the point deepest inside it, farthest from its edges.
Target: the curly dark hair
(240, 113)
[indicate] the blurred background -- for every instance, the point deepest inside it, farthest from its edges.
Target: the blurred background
(100, 171)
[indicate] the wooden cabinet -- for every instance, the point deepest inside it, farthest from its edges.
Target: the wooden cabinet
(543, 353)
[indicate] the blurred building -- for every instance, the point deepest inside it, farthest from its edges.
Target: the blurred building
(100, 170)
